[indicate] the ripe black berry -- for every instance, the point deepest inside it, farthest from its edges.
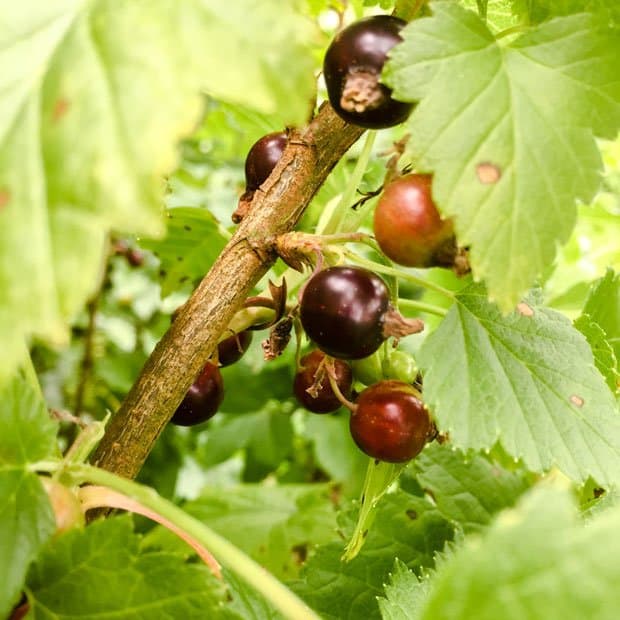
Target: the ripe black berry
(262, 159)
(202, 399)
(342, 310)
(231, 349)
(352, 70)
(390, 422)
(321, 398)
(408, 227)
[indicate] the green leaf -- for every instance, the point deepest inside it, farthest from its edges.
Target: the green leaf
(27, 432)
(603, 307)
(27, 435)
(491, 134)
(266, 435)
(191, 245)
(604, 356)
(334, 451)
(527, 380)
(535, 11)
(404, 595)
(246, 603)
(467, 489)
(26, 523)
(98, 572)
(275, 525)
(94, 97)
(538, 561)
(411, 530)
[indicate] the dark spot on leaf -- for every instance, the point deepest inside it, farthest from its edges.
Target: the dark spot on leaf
(188, 228)
(183, 279)
(162, 273)
(5, 196)
(412, 514)
(300, 553)
(363, 497)
(377, 461)
(576, 400)
(60, 109)
(365, 533)
(598, 492)
(179, 258)
(488, 173)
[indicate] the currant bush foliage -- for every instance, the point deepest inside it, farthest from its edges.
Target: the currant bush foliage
(488, 142)
(517, 115)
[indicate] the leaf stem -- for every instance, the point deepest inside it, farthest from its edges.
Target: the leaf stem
(255, 575)
(414, 304)
(398, 273)
(336, 221)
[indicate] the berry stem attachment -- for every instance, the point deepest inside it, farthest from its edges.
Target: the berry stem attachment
(331, 375)
(336, 221)
(398, 273)
(250, 571)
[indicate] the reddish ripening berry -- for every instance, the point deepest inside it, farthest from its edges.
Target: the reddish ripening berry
(408, 227)
(202, 399)
(352, 70)
(342, 310)
(390, 422)
(262, 159)
(232, 349)
(323, 399)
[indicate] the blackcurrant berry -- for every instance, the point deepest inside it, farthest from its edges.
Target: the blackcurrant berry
(202, 399)
(262, 159)
(321, 398)
(390, 422)
(342, 310)
(352, 70)
(408, 227)
(232, 349)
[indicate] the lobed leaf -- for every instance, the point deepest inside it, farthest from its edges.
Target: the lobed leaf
(27, 435)
(99, 572)
(467, 489)
(537, 561)
(411, 530)
(510, 157)
(527, 380)
(94, 97)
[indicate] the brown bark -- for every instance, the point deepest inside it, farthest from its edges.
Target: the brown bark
(178, 357)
